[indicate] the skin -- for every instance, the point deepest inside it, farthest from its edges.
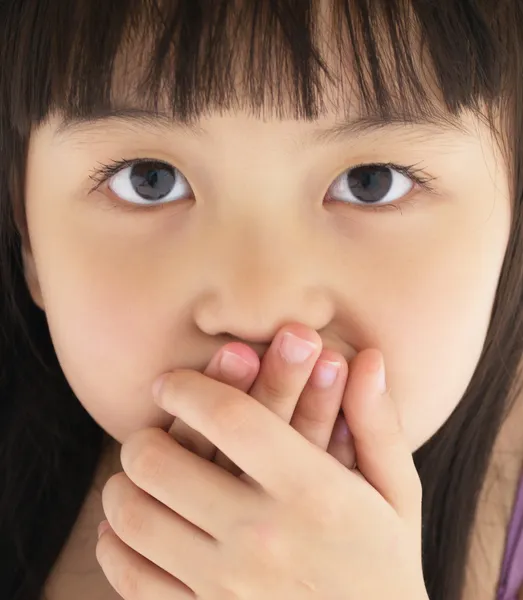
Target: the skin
(293, 382)
(297, 524)
(132, 294)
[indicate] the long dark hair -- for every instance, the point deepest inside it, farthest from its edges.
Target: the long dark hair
(60, 56)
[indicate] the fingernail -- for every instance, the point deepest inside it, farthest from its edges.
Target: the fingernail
(296, 350)
(103, 527)
(233, 366)
(325, 373)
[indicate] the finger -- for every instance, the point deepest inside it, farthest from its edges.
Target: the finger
(133, 576)
(190, 486)
(284, 371)
(262, 445)
(156, 532)
(341, 444)
(384, 455)
(235, 364)
(320, 400)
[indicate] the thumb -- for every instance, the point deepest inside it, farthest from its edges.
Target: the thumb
(383, 454)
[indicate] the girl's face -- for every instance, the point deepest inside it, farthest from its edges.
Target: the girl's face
(243, 225)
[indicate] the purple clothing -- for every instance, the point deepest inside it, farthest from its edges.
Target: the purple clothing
(511, 578)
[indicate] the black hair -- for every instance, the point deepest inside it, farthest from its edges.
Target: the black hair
(400, 59)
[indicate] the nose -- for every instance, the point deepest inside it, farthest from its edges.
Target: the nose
(256, 287)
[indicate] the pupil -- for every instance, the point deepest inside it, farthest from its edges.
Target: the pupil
(152, 180)
(370, 184)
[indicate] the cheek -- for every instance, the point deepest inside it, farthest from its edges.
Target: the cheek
(432, 322)
(110, 338)
(425, 300)
(114, 332)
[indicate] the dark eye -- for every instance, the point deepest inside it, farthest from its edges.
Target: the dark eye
(370, 185)
(149, 182)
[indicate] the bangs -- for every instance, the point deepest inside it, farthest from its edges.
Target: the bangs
(292, 59)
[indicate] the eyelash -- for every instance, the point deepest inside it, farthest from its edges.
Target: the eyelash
(105, 171)
(418, 176)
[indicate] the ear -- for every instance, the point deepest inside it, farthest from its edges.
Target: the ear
(31, 276)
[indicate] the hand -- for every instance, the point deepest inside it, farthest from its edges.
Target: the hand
(291, 390)
(182, 528)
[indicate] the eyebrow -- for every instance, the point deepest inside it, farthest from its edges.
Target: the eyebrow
(71, 125)
(437, 123)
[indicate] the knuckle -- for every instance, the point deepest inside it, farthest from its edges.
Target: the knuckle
(127, 582)
(180, 381)
(313, 415)
(321, 507)
(323, 514)
(388, 434)
(177, 383)
(266, 542)
(129, 518)
(116, 487)
(272, 387)
(260, 537)
(229, 414)
(143, 456)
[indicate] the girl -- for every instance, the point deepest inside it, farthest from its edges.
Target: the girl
(180, 178)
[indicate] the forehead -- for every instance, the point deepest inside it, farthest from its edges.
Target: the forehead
(177, 62)
(161, 84)
(130, 122)
(318, 60)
